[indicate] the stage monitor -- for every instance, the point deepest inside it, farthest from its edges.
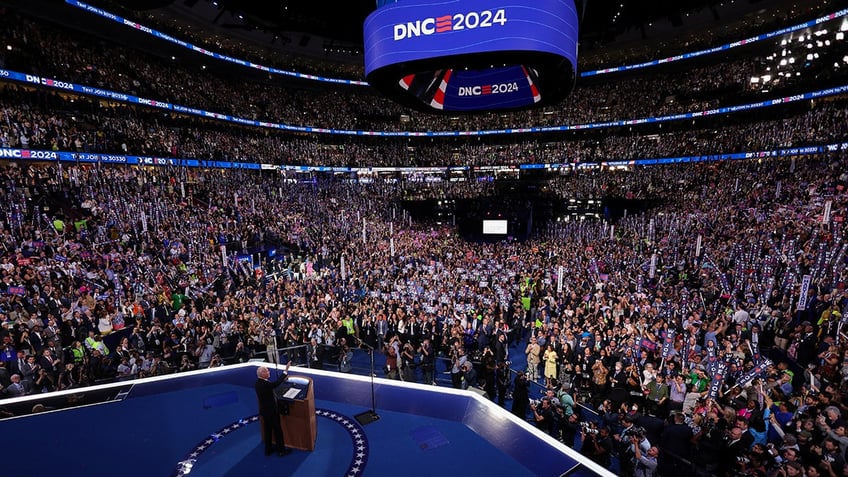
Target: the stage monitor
(495, 227)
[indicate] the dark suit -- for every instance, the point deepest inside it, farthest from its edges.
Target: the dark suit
(676, 440)
(268, 410)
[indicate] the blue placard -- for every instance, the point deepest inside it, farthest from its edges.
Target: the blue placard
(15, 290)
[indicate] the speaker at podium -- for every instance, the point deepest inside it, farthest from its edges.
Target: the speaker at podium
(296, 401)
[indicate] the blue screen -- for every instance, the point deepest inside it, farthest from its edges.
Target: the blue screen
(497, 88)
(413, 30)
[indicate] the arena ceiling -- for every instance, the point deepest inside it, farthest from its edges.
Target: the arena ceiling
(342, 20)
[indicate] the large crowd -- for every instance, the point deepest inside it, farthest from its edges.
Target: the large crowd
(102, 261)
(705, 332)
(39, 119)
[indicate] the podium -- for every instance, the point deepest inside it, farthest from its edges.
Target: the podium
(299, 426)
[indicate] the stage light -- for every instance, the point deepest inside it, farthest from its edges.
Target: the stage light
(766, 78)
(755, 79)
(840, 36)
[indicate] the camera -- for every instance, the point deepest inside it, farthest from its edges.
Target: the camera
(588, 428)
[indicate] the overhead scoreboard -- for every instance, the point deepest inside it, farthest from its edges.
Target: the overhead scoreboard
(460, 56)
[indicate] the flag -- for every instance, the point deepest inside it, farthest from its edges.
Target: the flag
(647, 344)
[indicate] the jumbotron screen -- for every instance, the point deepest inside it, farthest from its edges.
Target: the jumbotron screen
(472, 55)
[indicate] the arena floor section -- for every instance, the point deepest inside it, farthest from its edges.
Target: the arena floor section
(204, 423)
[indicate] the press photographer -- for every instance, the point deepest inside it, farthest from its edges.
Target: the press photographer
(630, 437)
(597, 443)
(549, 416)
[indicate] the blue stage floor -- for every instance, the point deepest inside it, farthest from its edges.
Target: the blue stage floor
(206, 419)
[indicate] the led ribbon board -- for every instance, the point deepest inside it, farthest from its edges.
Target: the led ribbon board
(472, 55)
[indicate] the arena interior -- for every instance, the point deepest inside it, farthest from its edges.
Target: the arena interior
(651, 271)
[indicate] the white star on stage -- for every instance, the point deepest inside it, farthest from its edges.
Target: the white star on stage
(355, 470)
(193, 454)
(209, 441)
(360, 454)
(358, 462)
(201, 447)
(226, 430)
